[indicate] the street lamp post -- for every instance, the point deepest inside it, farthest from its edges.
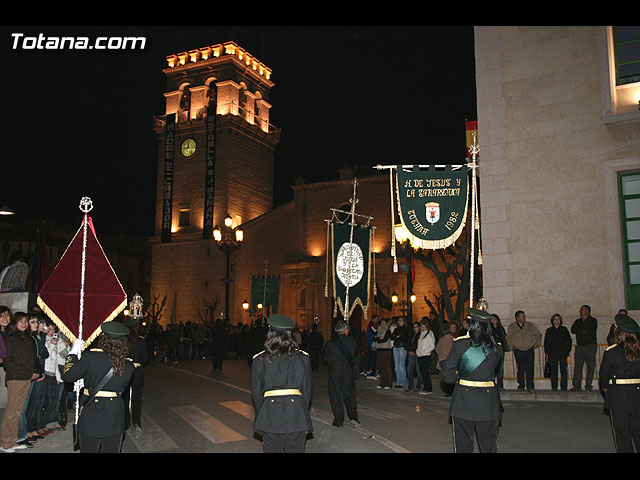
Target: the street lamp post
(228, 242)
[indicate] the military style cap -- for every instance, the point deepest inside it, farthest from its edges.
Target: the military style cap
(114, 329)
(626, 323)
(280, 322)
(480, 315)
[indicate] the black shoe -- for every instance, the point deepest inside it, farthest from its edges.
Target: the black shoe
(26, 443)
(337, 425)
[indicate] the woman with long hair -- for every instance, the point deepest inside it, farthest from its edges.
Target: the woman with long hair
(101, 423)
(620, 379)
(281, 382)
(384, 353)
(426, 347)
(412, 360)
(20, 371)
(475, 403)
(500, 335)
(401, 338)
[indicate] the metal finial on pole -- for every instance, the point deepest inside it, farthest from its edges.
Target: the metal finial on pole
(86, 204)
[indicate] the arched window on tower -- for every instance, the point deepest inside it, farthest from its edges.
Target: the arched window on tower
(185, 100)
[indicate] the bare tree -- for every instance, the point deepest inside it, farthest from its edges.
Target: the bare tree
(451, 262)
(155, 311)
(209, 310)
(437, 305)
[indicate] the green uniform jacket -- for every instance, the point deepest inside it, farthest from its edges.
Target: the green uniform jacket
(619, 397)
(282, 413)
(473, 403)
(103, 416)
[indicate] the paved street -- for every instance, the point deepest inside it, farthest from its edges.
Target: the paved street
(188, 409)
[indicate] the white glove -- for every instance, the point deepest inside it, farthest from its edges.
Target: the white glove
(76, 348)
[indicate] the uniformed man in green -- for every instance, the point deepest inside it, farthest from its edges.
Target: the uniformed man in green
(101, 422)
(619, 377)
(475, 403)
(281, 383)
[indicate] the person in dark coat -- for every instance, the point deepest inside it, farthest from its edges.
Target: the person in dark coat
(584, 328)
(101, 423)
(619, 377)
(475, 405)
(257, 337)
(281, 385)
(500, 335)
(139, 355)
(340, 355)
(557, 346)
(315, 347)
(218, 338)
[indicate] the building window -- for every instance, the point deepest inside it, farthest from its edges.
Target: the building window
(630, 211)
(185, 215)
(626, 43)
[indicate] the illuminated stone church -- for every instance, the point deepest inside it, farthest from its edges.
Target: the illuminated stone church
(216, 160)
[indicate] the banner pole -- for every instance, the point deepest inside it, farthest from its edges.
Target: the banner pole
(353, 222)
(86, 205)
(264, 289)
(474, 151)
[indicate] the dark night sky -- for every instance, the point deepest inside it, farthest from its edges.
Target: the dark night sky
(79, 123)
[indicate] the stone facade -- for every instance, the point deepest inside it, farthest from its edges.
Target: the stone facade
(554, 133)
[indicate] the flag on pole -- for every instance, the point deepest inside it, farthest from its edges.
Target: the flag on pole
(104, 298)
(471, 128)
(382, 300)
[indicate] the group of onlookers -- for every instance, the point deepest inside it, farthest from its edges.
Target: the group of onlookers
(32, 353)
(408, 354)
(523, 338)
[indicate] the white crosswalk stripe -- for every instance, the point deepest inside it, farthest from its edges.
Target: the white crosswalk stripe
(241, 408)
(209, 427)
(152, 439)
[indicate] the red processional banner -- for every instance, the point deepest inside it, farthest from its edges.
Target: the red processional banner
(103, 299)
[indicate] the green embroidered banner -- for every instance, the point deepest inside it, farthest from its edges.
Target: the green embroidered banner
(432, 203)
(351, 266)
(266, 291)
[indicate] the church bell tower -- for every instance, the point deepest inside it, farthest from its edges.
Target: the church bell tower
(215, 158)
